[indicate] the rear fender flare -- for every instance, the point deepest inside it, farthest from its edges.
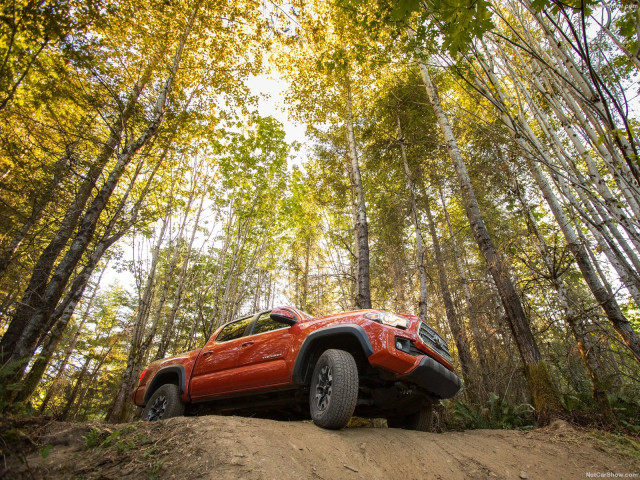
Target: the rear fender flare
(158, 380)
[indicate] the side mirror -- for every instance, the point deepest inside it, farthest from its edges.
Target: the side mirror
(283, 316)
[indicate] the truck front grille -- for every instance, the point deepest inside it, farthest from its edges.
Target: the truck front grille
(434, 341)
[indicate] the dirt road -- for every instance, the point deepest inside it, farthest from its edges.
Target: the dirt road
(233, 447)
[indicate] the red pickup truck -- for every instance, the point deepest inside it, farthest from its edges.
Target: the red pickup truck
(287, 363)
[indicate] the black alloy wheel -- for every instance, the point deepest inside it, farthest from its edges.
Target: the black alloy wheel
(333, 391)
(164, 403)
(323, 388)
(157, 409)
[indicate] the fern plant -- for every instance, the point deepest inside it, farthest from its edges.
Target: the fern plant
(494, 414)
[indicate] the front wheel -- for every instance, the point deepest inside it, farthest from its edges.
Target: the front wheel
(164, 403)
(334, 389)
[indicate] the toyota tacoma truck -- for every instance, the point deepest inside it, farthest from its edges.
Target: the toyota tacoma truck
(284, 362)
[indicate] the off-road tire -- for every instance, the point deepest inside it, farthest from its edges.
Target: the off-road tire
(334, 389)
(422, 420)
(164, 403)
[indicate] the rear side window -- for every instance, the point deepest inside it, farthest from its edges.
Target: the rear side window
(233, 330)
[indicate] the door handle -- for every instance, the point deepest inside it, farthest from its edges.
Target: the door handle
(207, 353)
(247, 344)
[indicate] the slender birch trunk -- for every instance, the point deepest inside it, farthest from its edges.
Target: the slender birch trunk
(420, 254)
(478, 338)
(361, 226)
(305, 284)
(545, 395)
(585, 346)
(28, 338)
(607, 301)
(135, 357)
(455, 323)
(177, 298)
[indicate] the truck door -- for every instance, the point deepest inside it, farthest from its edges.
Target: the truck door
(261, 361)
(213, 373)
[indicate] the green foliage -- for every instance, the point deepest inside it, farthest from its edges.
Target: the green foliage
(9, 388)
(154, 470)
(402, 9)
(456, 22)
(496, 414)
(572, 402)
(464, 416)
(624, 403)
(617, 444)
(555, 6)
(626, 406)
(105, 438)
(44, 451)
(29, 29)
(95, 437)
(460, 22)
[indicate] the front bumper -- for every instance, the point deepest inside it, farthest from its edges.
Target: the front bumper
(434, 378)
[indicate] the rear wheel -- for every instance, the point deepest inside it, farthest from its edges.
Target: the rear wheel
(164, 403)
(422, 420)
(334, 389)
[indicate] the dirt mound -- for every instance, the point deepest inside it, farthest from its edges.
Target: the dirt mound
(249, 448)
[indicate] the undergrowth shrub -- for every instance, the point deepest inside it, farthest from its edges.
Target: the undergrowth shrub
(9, 388)
(495, 413)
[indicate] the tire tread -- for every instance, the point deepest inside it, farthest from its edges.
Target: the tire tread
(344, 394)
(175, 407)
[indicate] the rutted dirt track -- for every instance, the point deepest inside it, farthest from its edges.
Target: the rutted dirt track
(233, 447)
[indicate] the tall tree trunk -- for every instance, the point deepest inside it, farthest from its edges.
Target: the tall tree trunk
(455, 323)
(545, 395)
(33, 299)
(305, 283)
(33, 319)
(422, 271)
(606, 301)
(136, 354)
(576, 326)
(361, 226)
(31, 380)
(478, 338)
(8, 253)
(168, 330)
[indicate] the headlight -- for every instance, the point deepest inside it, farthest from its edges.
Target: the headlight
(387, 318)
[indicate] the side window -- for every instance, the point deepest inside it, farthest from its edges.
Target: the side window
(265, 324)
(233, 330)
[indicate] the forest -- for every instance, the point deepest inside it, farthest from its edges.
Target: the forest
(474, 162)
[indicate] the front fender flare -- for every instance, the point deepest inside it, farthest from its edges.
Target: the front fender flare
(352, 330)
